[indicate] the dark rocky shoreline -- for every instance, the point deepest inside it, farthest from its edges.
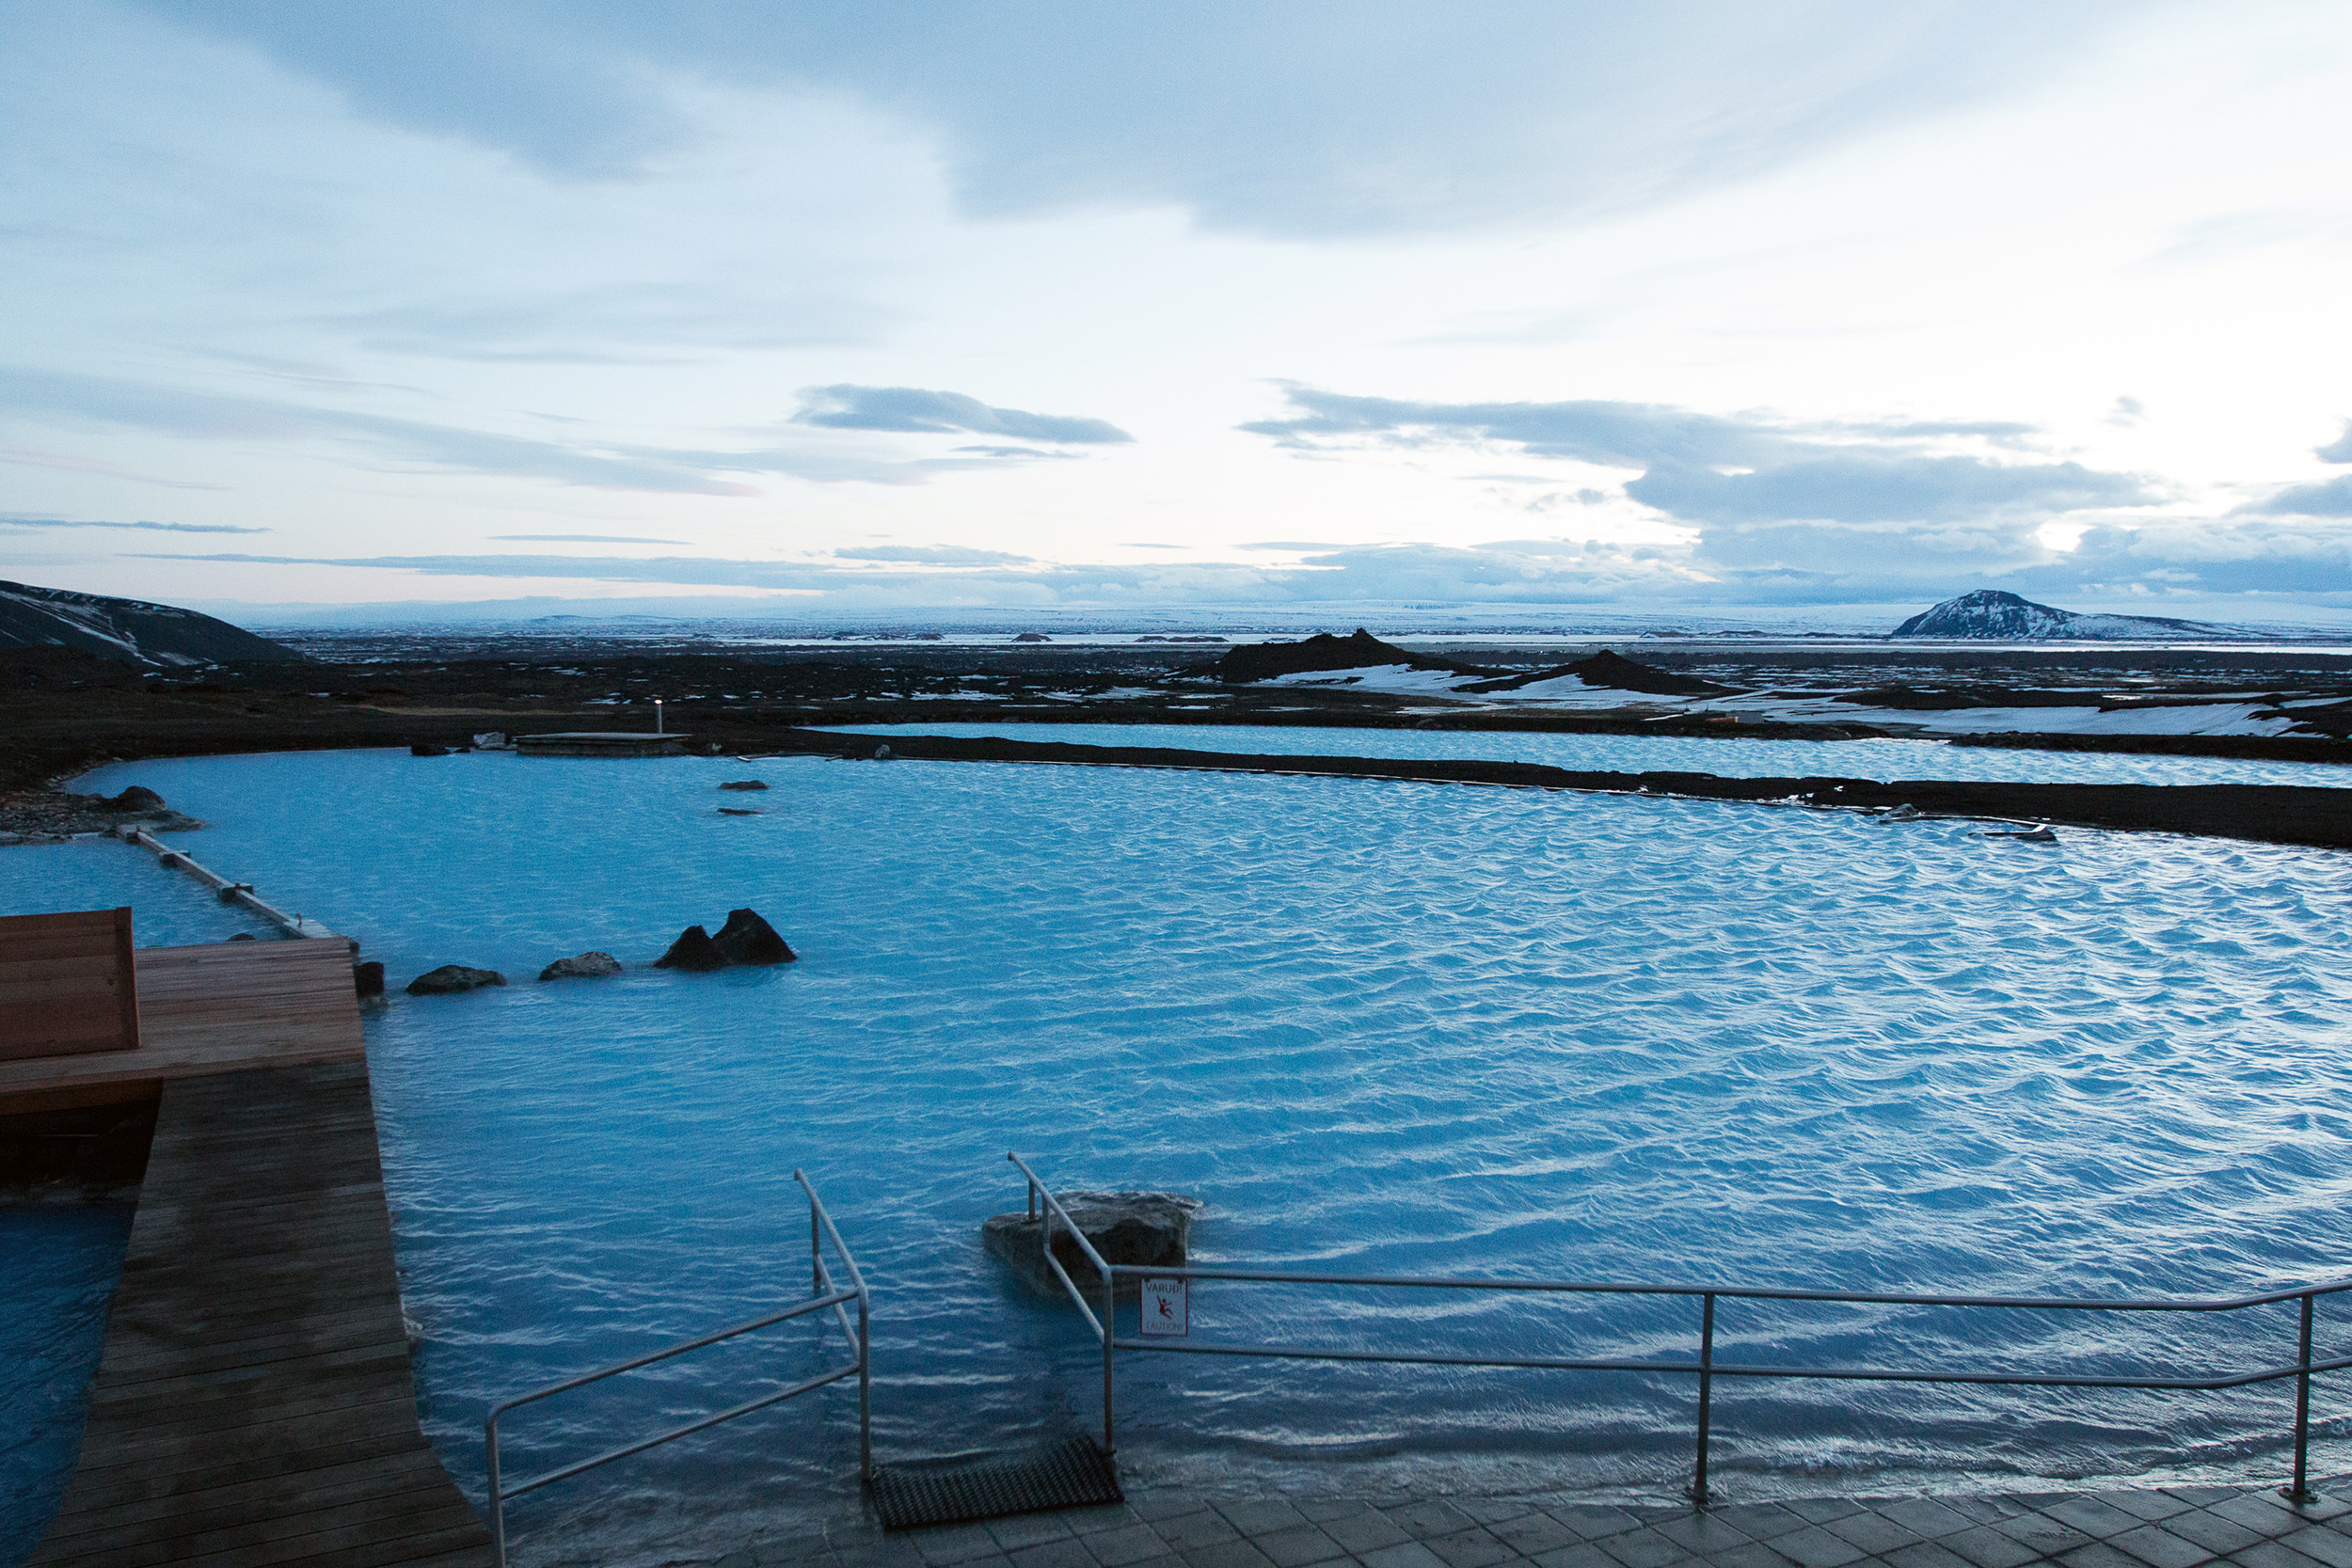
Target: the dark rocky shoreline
(2264, 814)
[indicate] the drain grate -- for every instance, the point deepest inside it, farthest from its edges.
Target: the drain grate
(1075, 1473)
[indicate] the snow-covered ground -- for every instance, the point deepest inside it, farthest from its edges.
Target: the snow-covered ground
(2242, 717)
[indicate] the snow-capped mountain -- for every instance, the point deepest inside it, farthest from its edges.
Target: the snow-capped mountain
(135, 632)
(1991, 613)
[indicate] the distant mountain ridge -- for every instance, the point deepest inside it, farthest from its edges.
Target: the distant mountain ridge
(1991, 613)
(131, 631)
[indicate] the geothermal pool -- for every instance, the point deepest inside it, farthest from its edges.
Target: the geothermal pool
(1379, 1027)
(1883, 760)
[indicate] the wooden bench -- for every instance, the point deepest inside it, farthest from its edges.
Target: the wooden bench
(66, 983)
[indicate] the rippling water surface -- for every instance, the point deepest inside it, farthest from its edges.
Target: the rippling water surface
(1884, 760)
(1380, 1027)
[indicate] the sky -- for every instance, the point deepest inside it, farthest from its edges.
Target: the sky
(888, 308)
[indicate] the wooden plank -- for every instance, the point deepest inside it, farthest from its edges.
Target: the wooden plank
(218, 1007)
(66, 984)
(254, 1404)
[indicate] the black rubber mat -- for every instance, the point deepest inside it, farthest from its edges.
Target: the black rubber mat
(1075, 1473)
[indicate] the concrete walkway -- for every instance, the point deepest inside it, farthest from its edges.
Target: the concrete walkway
(2180, 1527)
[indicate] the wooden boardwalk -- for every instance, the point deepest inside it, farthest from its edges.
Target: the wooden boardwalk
(253, 1405)
(217, 1008)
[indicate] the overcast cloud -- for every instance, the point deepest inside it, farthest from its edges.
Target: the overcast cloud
(1537, 301)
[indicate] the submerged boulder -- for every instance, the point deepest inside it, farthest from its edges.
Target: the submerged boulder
(426, 748)
(693, 952)
(746, 939)
(367, 979)
(1150, 1228)
(745, 783)
(450, 978)
(583, 966)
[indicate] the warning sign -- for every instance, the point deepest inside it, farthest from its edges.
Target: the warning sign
(1164, 1307)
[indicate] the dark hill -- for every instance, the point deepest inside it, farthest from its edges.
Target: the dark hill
(1262, 661)
(1989, 613)
(1617, 672)
(129, 630)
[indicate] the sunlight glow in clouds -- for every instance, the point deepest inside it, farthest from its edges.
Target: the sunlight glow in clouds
(999, 304)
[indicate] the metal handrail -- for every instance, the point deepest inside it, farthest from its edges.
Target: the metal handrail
(1705, 1367)
(820, 1224)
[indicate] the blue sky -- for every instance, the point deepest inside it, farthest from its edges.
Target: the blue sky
(854, 308)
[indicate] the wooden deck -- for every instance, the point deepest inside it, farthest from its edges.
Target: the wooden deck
(223, 1008)
(254, 1405)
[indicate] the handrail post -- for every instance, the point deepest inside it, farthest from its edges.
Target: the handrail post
(1110, 1325)
(2300, 1493)
(498, 1504)
(1706, 1398)
(815, 1247)
(864, 1391)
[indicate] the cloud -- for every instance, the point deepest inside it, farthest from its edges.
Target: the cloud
(1313, 119)
(2329, 497)
(19, 519)
(65, 397)
(912, 410)
(633, 324)
(2339, 450)
(583, 539)
(1766, 494)
(931, 555)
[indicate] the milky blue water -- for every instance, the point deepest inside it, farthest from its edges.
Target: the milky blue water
(1884, 760)
(62, 1252)
(1379, 1027)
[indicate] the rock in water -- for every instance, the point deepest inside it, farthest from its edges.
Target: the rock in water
(746, 939)
(1150, 1228)
(586, 966)
(693, 952)
(451, 978)
(745, 783)
(137, 798)
(367, 979)
(425, 749)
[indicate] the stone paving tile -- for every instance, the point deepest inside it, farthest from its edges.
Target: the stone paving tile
(1644, 1548)
(2204, 1496)
(1469, 1548)
(1365, 1533)
(2270, 1554)
(2148, 1505)
(1187, 1530)
(1317, 1510)
(1754, 1555)
(1704, 1534)
(1067, 1552)
(1820, 1510)
(1924, 1517)
(956, 1543)
(2048, 1537)
(2264, 1512)
(1117, 1548)
(2160, 1548)
(2097, 1555)
(1423, 1520)
(1225, 1554)
(1298, 1547)
(1406, 1554)
(1028, 1529)
(1592, 1522)
(1258, 1517)
(2093, 1517)
(1873, 1532)
(2322, 1545)
(1926, 1554)
(1815, 1547)
(1758, 1521)
(1165, 1505)
(2211, 1531)
(1987, 1548)
(1533, 1532)
(1494, 1511)
(1582, 1555)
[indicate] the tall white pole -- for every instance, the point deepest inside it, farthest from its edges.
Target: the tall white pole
(656, 716)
